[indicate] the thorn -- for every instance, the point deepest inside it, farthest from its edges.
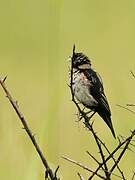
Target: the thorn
(92, 123)
(119, 140)
(34, 135)
(56, 171)
(4, 79)
(69, 85)
(122, 138)
(16, 102)
(132, 74)
(80, 118)
(73, 49)
(132, 131)
(83, 108)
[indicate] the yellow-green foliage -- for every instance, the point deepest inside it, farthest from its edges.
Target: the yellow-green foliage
(36, 39)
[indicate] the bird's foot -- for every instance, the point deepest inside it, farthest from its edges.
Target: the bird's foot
(88, 112)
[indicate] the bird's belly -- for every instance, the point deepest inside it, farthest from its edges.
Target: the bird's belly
(81, 89)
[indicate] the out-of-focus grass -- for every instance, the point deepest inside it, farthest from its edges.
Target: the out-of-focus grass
(36, 38)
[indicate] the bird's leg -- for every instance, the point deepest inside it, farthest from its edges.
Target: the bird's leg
(80, 116)
(92, 115)
(88, 112)
(85, 113)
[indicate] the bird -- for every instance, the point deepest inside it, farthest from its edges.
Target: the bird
(88, 89)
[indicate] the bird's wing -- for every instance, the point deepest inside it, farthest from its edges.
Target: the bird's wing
(97, 90)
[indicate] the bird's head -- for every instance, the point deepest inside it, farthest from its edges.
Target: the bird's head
(80, 61)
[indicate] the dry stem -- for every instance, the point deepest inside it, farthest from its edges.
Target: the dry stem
(24, 121)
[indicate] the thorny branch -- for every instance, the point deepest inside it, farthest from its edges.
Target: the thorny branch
(121, 172)
(48, 170)
(81, 165)
(86, 118)
(100, 144)
(121, 155)
(126, 141)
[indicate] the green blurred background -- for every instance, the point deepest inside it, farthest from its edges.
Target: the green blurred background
(36, 39)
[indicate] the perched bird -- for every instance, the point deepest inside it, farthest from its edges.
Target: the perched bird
(88, 88)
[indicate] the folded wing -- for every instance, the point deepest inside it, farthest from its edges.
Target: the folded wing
(97, 91)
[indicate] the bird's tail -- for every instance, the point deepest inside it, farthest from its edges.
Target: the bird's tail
(107, 119)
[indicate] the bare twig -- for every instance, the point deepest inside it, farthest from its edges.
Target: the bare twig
(133, 112)
(133, 176)
(80, 176)
(93, 157)
(82, 166)
(100, 149)
(23, 120)
(132, 74)
(121, 155)
(119, 169)
(113, 152)
(130, 104)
